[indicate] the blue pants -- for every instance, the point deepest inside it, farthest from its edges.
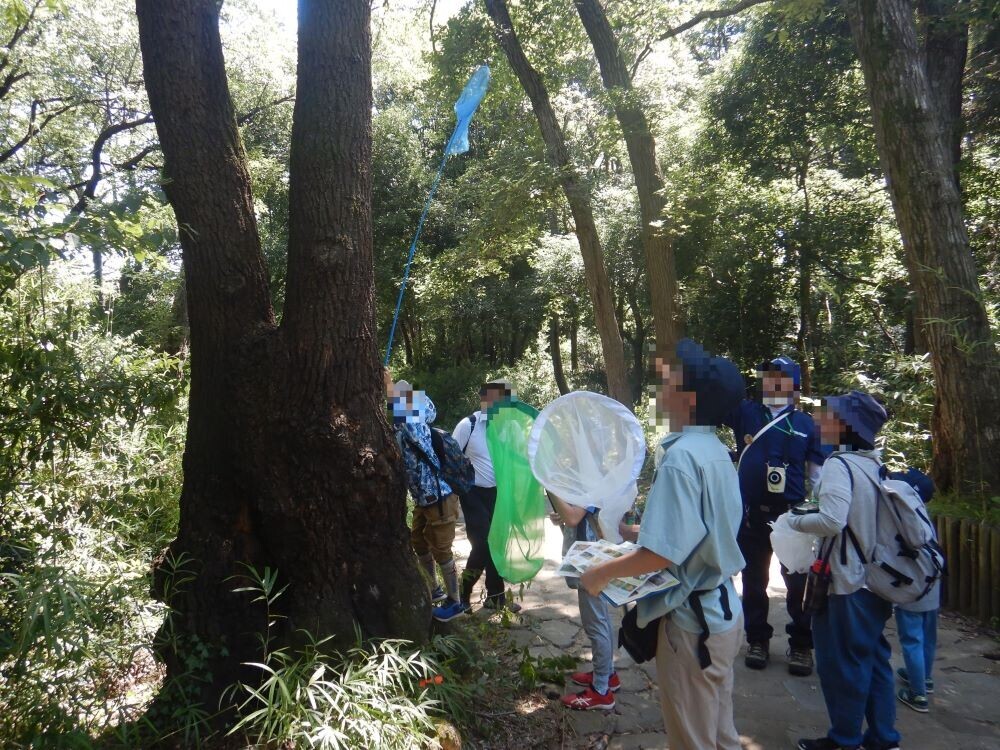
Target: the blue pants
(918, 640)
(596, 620)
(852, 660)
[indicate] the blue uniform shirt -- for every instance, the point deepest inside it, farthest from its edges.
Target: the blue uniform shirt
(693, 513)
(790, 443)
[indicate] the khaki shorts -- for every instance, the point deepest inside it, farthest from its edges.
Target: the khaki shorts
(434, 529)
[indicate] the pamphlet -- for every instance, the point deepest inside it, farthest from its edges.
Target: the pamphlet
(620, 591)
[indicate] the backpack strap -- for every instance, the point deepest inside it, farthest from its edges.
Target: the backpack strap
(847, 527)
(472, 428)
(704, 657)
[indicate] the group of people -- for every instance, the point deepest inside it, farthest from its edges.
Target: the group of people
(705, 522)
(436, 504)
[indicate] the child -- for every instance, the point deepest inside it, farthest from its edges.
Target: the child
(917, 622)
(692, 516)
(599, 685)
(435, 509)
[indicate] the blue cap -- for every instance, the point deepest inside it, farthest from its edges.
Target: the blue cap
(715, 380)
(922, 483)
(786, 366)
(861, 413)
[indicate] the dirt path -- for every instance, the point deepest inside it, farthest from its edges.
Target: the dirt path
(773, 709)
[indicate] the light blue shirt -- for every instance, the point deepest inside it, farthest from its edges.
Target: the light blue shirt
(692, 516)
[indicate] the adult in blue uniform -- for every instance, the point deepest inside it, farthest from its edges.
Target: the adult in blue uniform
(778, 449)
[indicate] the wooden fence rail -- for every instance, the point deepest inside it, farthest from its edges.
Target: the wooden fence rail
(972, 583)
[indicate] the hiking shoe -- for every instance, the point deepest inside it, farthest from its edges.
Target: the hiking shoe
(757, 656)
(901, 674)
(499, 601)
(438, 595)
(917, 702)
(586, 679)
(588, 700)
(448, 611)
(800, 662)
(824, 743)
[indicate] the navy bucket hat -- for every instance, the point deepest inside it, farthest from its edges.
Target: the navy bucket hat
(715, 380)
(861, 413)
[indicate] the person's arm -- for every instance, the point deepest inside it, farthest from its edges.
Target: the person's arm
(834, 503)
(814, 471)
(629, 531)
(571, 515)
(642, 560)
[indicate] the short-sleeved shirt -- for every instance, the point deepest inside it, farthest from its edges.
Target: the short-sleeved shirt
(790, 443)
(473, 441)
(692, 516)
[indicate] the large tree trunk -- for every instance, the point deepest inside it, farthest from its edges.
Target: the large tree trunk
(289, 463)
(916, 150)
(578, 196)
(656, 242)
(946, 45)
(804, 338)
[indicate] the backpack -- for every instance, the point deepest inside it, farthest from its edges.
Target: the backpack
(456, 468)
(906, 561)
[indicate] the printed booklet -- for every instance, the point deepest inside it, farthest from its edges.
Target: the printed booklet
(620, 591)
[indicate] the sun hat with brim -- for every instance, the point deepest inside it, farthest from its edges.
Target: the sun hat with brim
(716, 381)
(922, 483)
(860, 412)
(400, 387)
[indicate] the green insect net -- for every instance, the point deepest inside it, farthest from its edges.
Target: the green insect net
(517, 534)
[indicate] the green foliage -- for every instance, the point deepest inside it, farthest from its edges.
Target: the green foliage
(380, 694)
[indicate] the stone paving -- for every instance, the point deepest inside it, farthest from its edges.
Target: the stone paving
(773, 708)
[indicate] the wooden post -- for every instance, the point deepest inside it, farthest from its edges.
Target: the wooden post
(964, 566)
(954, 576)
(984, 580)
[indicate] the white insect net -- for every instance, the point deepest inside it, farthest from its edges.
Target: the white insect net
(588, 450)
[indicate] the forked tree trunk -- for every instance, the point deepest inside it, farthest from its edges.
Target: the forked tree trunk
(578, 196)
(656, 242)
(289, 463)
(916, 149)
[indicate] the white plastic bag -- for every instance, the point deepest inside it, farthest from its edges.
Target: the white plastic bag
(793, 548)
(588, 450)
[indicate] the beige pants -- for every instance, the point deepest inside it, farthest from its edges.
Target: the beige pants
(697, 703)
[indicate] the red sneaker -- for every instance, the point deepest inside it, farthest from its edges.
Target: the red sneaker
(586, 679)
(588, 700)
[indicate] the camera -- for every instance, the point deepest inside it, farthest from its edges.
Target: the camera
(776, 479)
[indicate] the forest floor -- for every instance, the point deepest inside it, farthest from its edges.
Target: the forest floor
(772, 708)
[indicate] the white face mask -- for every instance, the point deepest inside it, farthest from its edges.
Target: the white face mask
(778, 402)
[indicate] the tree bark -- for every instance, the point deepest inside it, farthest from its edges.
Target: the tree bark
(915, 148)
(946, 45)
(556, 354)
(656, 242)
(288, 464)
(578, 196)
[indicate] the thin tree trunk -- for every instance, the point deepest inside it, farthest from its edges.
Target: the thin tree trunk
(656, 242)
(556, 354)
(578, 196)
(916, 152)
(805, 287)
(574, 330)
(288, 464)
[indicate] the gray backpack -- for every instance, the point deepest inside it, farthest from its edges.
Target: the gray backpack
(906, 560)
